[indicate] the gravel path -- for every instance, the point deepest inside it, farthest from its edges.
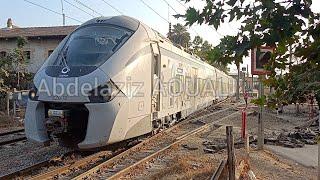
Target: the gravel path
(24, 154)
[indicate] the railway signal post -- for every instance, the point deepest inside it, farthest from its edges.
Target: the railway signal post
(260, 57)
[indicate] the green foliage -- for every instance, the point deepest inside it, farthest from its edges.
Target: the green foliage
(180, 35)
(13, 68)
(259, 101)
(288, 26)
(203, 49)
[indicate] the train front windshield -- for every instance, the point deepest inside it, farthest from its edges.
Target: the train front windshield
(90, 46)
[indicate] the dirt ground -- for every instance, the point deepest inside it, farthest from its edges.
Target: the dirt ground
(190, 160)
(7, 123)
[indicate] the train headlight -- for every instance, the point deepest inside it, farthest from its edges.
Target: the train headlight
(105, 93)
(33, 94)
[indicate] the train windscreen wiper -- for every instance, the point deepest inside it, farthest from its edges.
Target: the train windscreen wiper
(64, 56)
(119, 41)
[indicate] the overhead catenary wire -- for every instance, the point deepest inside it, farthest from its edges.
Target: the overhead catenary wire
(78, 8)
(181, 4)
(186, 8)
(113, 7)
(154, 11)
(169, 5)
(86, 6)
(53, 11)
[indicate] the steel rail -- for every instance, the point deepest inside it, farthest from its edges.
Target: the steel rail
(95, 157)
(13, 140)
(38, 165)
(73, 165)
(179, 139)
(23, 171)
(11, 132)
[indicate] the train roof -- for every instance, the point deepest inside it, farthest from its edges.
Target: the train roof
(122, 21)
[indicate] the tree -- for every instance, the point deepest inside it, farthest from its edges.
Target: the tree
(180, 36)
(13, 66)
(289, 26)
(196, 44)
(203, 49)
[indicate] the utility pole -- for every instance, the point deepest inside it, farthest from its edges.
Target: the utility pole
(170, 30)
(247, 79)
(63, 15)
(243, 82)
(238, 83)
(260, 119)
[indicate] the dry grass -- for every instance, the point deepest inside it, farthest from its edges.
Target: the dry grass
(187, 167)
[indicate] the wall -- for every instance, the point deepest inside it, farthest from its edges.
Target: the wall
(38, 50)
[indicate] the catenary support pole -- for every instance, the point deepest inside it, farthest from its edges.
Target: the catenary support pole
(260, 118)
(238, 83)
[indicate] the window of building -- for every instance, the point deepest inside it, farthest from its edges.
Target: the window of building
(27, 55)
(3, 54)
(50, 52)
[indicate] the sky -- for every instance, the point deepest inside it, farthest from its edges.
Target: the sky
(25, 14)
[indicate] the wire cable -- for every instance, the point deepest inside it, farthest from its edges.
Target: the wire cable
(78, 8)
(186, 8)
(114, 8)
(178, 13)
(181, 4)
(154, 11)
(51, 10)
(84, 5)
(170, 6)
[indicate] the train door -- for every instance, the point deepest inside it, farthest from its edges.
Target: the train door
(156, 65)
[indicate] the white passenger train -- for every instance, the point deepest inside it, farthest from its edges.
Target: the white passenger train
(113, 79)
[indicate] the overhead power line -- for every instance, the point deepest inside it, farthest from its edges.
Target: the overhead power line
(170, 6)
(178, 13)
(53, 11)
(186, 8)
(78, 8)
(114, 8)
(86, 6)
(154, 11)
(181, 4)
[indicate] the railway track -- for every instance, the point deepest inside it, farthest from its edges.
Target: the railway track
(123, 163)
(36, 167)
(11, 132)
(12, 137)
(91, 164)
